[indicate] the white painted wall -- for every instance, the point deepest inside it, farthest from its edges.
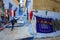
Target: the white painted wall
(55, 15)
(50, 14)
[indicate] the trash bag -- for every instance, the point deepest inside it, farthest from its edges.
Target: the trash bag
(0, 20)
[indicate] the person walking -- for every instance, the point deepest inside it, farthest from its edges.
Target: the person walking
(13, 21)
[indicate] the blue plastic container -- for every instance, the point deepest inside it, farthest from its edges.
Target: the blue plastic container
(42, 27)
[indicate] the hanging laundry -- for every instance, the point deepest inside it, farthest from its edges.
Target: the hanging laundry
(0, 20)
(5, 13)
(10, 6)
(27, 14)
(11, 13)
(25, 1)
(21, 11)
(8, 14)
(31, 15)
(2, 11)
(15, 11)
(2, 15)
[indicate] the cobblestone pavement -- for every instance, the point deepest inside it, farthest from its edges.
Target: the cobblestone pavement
(19, 33)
